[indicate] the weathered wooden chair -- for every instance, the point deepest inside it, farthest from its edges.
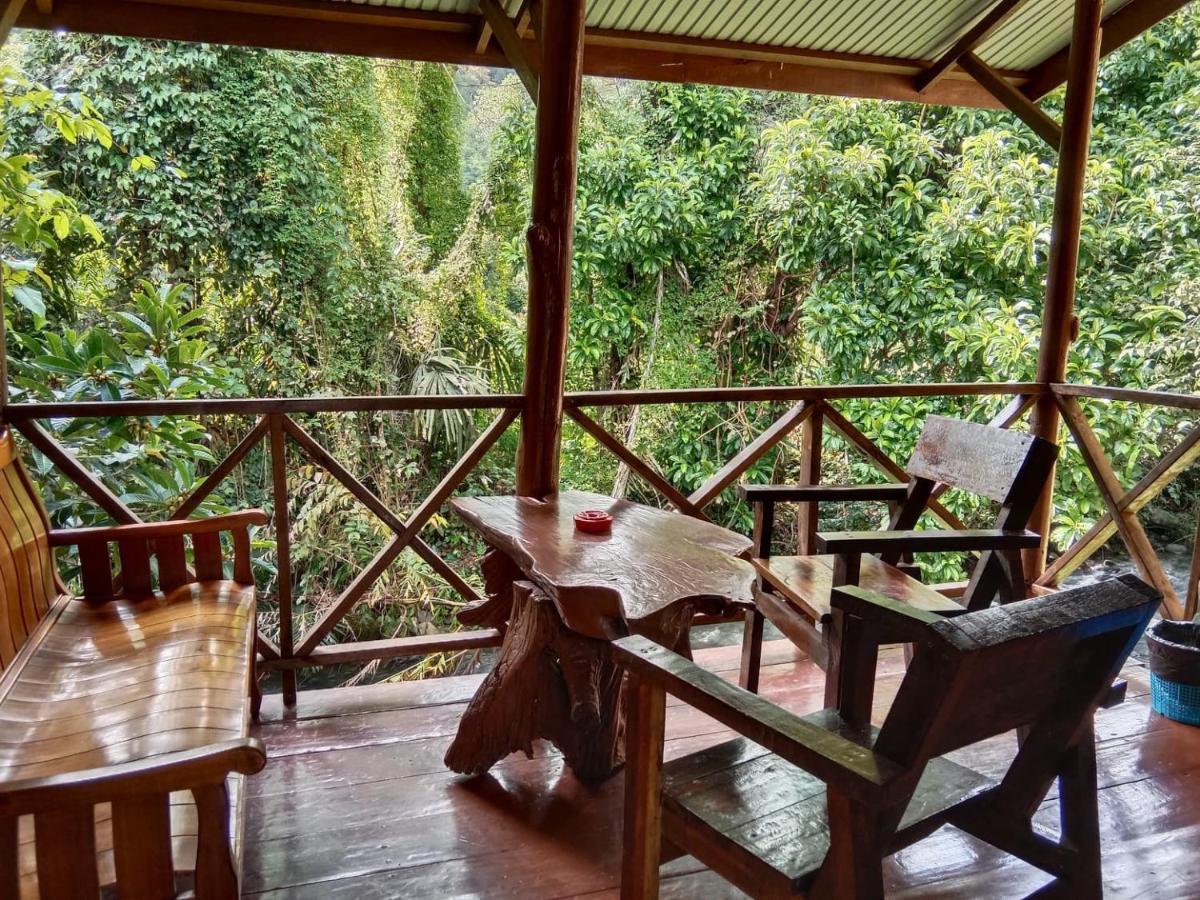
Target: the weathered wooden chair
(1007, 467)
(124, 712)
(814, 803)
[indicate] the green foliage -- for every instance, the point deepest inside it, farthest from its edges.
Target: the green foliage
(315, 209)
(156, 349)
(434, 153)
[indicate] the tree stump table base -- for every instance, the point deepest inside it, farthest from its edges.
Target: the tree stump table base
(548, 683)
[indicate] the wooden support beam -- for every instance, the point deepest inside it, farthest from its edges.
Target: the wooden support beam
(388, 648)
(510, 42)
(1150, 486)
(1118, 29)
(8, 17)
(66, 462)
(1059, 325)
(1191, 605)
(807, 514)
(386, 32)
(976, 35)
(280, 522)
(1024, 108)
(1131, 530)
(551, 239)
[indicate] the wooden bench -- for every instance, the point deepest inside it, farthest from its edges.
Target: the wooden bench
(1005, 467)
(124, 713)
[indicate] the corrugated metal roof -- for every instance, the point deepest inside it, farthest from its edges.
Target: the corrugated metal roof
(894, 29)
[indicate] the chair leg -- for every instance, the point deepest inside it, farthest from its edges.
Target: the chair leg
(10, 883)
(642, 836)
(1080, 816)
(752, 639)
(853, 868)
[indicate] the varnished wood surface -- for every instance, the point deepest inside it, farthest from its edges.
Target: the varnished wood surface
(652, 560)
(123, 681)
(806, 581)
(111, 684)
(355, 802)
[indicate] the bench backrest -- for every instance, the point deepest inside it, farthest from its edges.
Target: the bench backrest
(29, 582)
(1042, 664)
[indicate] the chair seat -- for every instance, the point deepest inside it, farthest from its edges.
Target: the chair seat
(806, 582)
(119, 682)
(774, 813)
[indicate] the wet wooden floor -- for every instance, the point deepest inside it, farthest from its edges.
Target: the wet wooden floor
(355, 803)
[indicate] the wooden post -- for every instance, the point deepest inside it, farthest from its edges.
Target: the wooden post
(283, 552)
(810, 473)
(1191, 605)
(1059, 325)
(3, 353)
(551, 243)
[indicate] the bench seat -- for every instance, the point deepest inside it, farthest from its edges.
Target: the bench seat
(123, 681)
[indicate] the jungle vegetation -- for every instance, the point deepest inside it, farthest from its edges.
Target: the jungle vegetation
(186, 220)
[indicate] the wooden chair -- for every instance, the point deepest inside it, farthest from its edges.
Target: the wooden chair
(810, 805)
(1007, 467)
(123, 712)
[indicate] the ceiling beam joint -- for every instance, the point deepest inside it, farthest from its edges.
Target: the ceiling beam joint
(515, 49)
(976, 35)
(1008, 94)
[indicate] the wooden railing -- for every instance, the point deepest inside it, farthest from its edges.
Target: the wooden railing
(811, 410)
(274, 424)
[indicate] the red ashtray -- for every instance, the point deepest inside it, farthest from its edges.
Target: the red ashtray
(594, 521)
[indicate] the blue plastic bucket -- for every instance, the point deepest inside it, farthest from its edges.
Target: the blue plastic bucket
(1175, 670)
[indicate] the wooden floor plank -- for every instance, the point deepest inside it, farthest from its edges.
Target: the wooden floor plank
(355, 802)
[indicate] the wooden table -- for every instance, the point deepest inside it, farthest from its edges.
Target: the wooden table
(561, 595)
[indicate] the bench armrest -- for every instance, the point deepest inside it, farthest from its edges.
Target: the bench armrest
(845, 766)
(892, 543)
(804, 493)
(181, 770)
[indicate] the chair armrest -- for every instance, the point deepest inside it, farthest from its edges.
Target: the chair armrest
(897, 542)
(180, 770)
(803, 493)
(845, 766)
(148, 531)
(897, 620)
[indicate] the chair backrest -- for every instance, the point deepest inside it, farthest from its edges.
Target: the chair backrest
(993, 462)
(29, 582)
(1042, 664)
(1005, 466)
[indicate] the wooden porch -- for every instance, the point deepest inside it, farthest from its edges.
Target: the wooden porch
(355, 802)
